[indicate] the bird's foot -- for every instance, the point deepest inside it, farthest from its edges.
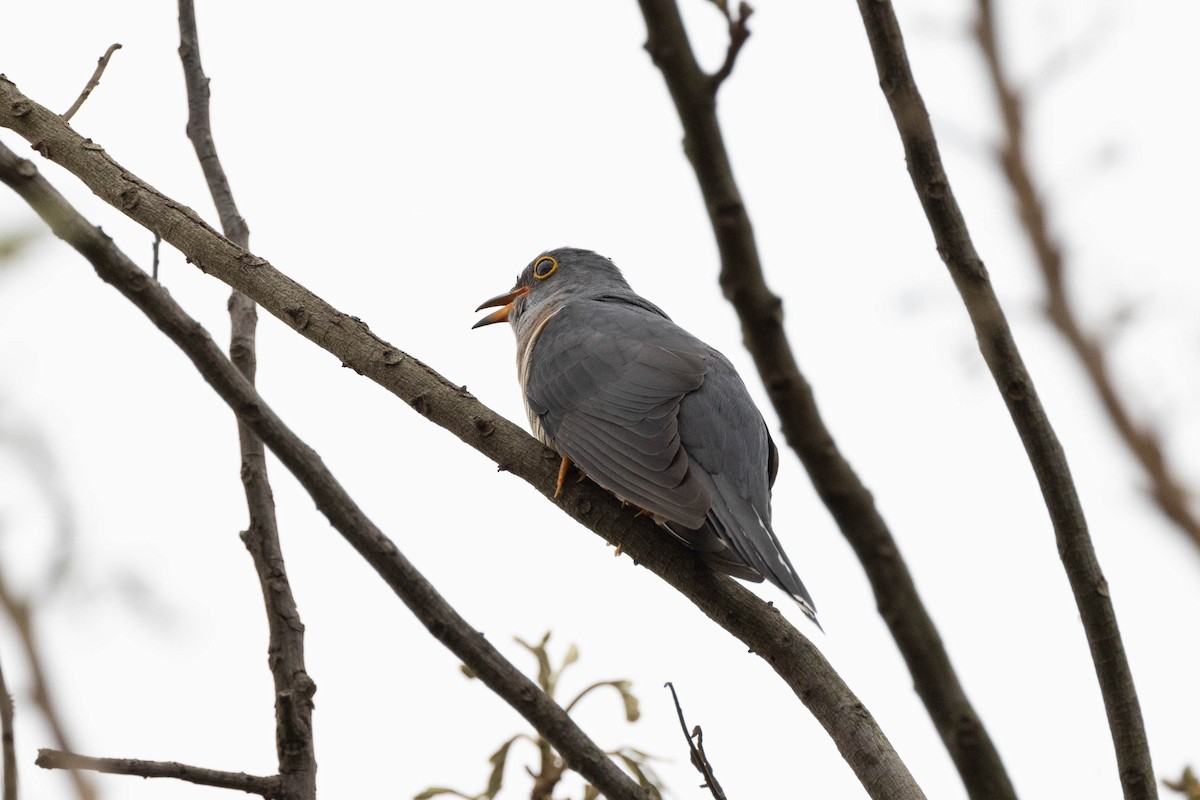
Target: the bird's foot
(563, 468)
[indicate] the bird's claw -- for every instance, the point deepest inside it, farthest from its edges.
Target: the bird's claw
(563, 468)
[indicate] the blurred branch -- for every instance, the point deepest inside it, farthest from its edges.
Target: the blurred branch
(438, 616)
(1016, 387)
(15, 240)
(32, 449)
(239, 781)
(848, 500)
(7, 740)
(93, 82)
(756, 624)
(695, 740)
(18, 610)
(294, 688)
(1165, 487)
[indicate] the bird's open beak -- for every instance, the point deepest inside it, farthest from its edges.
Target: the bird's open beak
(505, 301)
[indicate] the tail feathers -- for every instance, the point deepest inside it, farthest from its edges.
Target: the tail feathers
(712, 548)
(729, 563)
(750, 537)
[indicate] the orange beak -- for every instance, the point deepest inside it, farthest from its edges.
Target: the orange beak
(505, 301)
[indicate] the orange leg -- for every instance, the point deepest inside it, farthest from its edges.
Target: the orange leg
(562, 476)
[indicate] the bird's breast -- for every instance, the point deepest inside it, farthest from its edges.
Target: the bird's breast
(525, 348)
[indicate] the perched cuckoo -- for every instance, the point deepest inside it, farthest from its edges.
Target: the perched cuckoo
(646, 410)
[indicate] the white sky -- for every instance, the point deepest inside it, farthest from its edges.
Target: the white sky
(404, 162)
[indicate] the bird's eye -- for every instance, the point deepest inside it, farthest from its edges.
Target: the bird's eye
(544, 267)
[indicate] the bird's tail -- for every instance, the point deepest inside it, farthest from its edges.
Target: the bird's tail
(749, 536)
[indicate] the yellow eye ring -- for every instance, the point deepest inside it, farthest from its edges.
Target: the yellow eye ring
(544, 267)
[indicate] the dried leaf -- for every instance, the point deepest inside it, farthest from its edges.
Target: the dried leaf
(640, 755)
(497, 760)
(570, 658)
(642, 773)
(631, 703)
(1187, 785)
(624, 687)
(539, 651)
(434, 791)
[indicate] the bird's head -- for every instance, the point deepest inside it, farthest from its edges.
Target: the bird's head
(552, 279)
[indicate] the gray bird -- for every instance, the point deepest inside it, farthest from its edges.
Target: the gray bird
(646, 410)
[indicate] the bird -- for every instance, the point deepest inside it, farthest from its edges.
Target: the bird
(646, 410)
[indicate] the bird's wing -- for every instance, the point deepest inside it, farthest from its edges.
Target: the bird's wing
(737, 462)
(606, 380)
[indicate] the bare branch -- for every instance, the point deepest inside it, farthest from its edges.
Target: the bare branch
(843, 492)
(8, 742)
(1166, 488)
(756, 624)
(1016, 387)
(199, 128)
(92, 83)
(438, 616)
(240, 781)
(293, 687)
(695, 740)
(738, 34)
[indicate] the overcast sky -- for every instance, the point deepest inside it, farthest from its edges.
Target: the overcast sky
(404, 161)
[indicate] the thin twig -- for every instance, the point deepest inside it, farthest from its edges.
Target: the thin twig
(17, 609)
(739, 32)
(199, 128)
(1166, 488)
(154, 252)
(849, 501)
(8, 742)
(755, 623)
(294, 688)
(250, 784)
(695, 740)
(438, 616)
(1000, 351)
(92, 83)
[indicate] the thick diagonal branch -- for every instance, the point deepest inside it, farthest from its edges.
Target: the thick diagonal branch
(1168, 491)
(438, 616)
(756, 624)
(1016, 387)
(848, 500)
(285, 652)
